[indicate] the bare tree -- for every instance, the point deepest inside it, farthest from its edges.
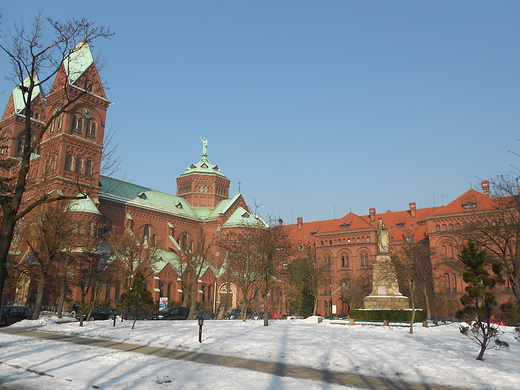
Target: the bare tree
(308, 275)
(412, 262)
(194, 261)
(272, 248)
(240, 262)
(50, 232)
(498, 230)
(90, 269)
(134, 252)
(36, 59)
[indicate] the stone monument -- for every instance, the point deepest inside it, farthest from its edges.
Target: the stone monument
(385, 289)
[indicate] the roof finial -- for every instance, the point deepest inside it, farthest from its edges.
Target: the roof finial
(204, 146)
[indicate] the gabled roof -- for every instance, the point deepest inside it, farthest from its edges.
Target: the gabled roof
(78, 61)
(350, 222)
(400, 223)
(470, 202)
(16, 103)
(83, 205)
(243, 218)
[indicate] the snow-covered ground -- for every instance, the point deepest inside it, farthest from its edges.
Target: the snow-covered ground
(436, 355)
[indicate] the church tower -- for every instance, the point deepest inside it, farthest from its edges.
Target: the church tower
(72, 148)
(203, 184)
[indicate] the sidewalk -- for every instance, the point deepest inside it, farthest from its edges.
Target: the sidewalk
(280, 369)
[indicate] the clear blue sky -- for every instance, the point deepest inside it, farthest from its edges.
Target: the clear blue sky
(316, 107)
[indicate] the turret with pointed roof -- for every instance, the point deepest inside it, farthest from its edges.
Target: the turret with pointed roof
(203, 184)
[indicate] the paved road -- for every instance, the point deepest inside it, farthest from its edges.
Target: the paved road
(280, 369)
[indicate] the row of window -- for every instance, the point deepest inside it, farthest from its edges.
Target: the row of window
(345, 260)
(78, 165)
(82, 122)
(340, 241)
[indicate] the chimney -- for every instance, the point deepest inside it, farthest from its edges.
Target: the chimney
(299, 221)
(485, 186)
(413, 207)
(372, 212)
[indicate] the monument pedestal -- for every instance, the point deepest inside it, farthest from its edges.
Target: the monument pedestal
(385, 289)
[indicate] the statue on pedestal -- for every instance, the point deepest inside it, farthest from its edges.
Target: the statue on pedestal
(383, 239)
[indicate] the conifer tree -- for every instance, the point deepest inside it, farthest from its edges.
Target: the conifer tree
(137, 296)
(479, 299)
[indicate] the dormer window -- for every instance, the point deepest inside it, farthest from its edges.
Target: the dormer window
(345, 226)
(142, 195)
(469, 205)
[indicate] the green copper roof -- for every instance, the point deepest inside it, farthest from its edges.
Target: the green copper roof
(78, 61)
(204, 167)
(84, 206)
(128, 193)
(242, 218)
(18, 95)
(124, 192)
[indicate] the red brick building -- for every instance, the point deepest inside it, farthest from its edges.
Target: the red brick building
(349, 245)
(69, 160)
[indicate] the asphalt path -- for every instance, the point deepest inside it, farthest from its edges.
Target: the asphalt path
(273, 368)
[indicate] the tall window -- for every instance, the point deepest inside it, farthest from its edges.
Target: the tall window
(79, 165)
(345, 261)
(77, 123)
(88, 168)
(69, 162)
(90, 128)
(364, 259)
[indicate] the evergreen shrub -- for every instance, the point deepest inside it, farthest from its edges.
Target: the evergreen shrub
(390, 315)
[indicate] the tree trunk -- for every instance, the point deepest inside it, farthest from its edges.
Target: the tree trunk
(315, 308)
(412, 300)
(63, 290)
(427, 301)
(266, 310)
(39, 296)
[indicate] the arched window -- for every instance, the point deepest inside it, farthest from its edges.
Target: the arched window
(454, 282)
(161, 290)
(345, 261)
(69, 163)
(88, 168)
(364, 259)
(77, 124)
(146, 232)
(169, 291)
(79, 165)
(90, 128)
(20, 143)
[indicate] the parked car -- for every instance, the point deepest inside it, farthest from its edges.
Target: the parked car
(292, 316)
(142, 314)
(235, 314)
(100, 314)
(259, 315)
(204, 314)
(496, 321)
(12, 314)
(173, 313)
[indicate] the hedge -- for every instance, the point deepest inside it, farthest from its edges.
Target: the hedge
(390, 315)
